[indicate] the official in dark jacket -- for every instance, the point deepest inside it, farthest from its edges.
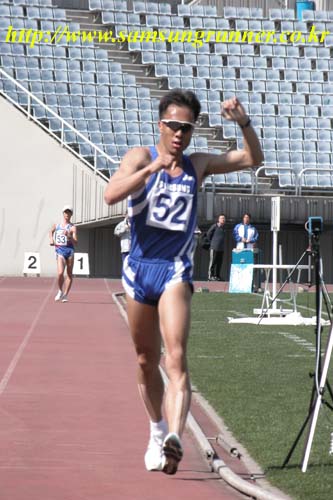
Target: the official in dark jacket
(216, 235)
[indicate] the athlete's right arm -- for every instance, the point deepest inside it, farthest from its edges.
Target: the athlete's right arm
(51, 232)
(134, 171)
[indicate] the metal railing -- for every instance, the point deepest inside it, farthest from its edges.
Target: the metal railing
(273, 169)
(297, 186)
(311, 169)
(64, 127)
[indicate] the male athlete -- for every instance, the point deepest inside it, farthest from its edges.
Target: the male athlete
(63, 236)
(161, 185)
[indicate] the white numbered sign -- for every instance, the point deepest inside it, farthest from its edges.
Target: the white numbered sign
(81, 264)
(31, 263)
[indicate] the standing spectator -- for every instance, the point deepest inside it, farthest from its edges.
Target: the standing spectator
(246, 237)
(63, 236)
(123, 231)
(245, 234)
(216, 235)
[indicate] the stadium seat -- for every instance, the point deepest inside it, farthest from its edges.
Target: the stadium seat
(287, 88)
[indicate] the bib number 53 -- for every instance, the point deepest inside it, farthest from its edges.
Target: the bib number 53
(60, 239)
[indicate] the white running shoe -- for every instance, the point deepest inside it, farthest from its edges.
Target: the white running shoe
(173, 453)
(58, 296)
(64, 298)
(154, 456)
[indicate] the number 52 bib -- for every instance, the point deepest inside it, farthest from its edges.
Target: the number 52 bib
(170, 210)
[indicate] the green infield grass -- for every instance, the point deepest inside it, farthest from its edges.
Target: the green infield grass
(257, 379)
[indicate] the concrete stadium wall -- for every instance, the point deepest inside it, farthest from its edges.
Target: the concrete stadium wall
(294, 209)
(38, 177)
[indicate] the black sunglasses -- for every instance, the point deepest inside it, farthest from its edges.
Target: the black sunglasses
(177, 125)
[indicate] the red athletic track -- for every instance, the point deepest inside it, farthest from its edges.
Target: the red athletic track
(72, 426)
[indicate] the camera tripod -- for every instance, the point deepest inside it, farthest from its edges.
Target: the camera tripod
(320, 382)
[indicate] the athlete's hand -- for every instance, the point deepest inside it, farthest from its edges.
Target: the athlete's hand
(162, 161)
(233, 110)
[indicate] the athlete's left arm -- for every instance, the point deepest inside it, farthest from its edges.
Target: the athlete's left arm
(249, 157)
(73, 234)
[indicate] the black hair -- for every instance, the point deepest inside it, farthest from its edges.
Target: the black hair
(182, 98)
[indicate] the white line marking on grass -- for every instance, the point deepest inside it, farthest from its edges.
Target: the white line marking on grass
(297, 356)
(11, 368)
(236, 313)
(298, 340)
(204, 356)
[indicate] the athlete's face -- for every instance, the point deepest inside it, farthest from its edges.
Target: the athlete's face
(175, 128)
(67, 215)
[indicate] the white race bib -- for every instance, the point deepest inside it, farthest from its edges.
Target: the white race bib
(170, 210)
(60, 238)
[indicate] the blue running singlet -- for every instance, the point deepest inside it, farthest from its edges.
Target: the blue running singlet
(63, 246)
(163, 217)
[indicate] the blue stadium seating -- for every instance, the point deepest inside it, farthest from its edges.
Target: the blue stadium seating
(287, 88)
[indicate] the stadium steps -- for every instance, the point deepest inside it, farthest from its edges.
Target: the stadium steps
(89, 22)
(131, 63)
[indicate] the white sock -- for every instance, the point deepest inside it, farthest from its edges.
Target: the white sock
(160, 427)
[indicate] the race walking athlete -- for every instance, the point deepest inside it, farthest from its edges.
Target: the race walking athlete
(161, 185)
(63, 236)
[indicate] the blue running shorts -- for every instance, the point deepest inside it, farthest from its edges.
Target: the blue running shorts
(145, 280)
(65, 252)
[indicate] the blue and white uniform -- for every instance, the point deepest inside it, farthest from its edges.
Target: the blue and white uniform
(63, 246)
(163, 218)
(246, 231)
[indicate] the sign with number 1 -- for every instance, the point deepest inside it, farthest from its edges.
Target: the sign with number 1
(81, 264)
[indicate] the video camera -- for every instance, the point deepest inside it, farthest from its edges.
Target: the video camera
(315, 226)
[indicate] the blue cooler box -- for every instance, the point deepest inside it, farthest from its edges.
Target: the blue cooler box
(242, 256)
(301, 6)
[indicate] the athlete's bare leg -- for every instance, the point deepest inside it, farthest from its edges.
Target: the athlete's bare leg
(174, 312)
(143, 322)
(61, 264)
(69, 277)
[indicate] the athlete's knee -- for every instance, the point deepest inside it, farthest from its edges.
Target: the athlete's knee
(147, 361)
(175, 359)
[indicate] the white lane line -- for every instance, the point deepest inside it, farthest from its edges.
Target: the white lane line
(309, 346)
(11, 368)
(298, 340)
(236, 313)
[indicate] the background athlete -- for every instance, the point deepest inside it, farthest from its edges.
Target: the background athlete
(63, 236)
(161, 185)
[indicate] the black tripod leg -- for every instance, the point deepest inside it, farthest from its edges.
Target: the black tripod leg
(291, 451)
(311, 408)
